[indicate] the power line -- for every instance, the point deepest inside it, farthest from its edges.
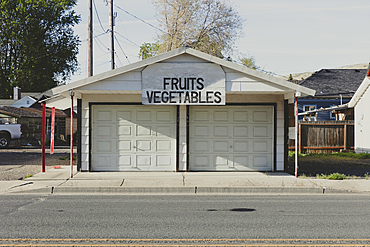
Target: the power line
(127, 39)
(97, 14)
(122, 49)
(140, 19)
(94, 36)
(118, 58)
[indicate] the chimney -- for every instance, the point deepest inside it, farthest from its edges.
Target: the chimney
(17, 93)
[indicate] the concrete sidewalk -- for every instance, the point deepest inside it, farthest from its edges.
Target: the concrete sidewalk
(58, 181)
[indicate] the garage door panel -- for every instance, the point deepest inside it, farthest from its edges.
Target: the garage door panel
(240, 116)
(240, 146)
(262, 146)
(221, 161)
(262, 116)
(164, 161)
(202, 130)
(241, 131)
(200, 146)
(165, 131)
(142, 130)
(104, 115)
(163, 146)
(144, 115)
(231, 138)
(104, 131)
(201, 161)
(221, 146)
(262, 161)
(143, 145)
(221, 116)
(124, 116)
(104, 162)
(164, 116)
(143, 160)
(201, 115)
(125, 161)
(221, 131)
(241, 162)
(104, 146)
(142, 139)
(124, 146)
(124, 130)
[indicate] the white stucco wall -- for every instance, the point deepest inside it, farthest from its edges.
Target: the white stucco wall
(362, 123)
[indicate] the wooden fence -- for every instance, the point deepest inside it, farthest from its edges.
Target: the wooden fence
(324, 136)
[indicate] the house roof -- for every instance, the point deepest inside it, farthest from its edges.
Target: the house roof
(58, 113)
(7, 102)
(333, 82)
(259, 76)
(17, 112)
(365, 85)
(29, 112)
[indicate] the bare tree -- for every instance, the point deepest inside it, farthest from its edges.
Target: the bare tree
(211, 26)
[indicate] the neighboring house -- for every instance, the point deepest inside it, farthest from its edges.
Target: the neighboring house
(26, 101)
(183, 110)
(333, 87)
(31, 121)
(361, 104)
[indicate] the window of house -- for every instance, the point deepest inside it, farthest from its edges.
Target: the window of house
(332, 114)
(310, 108)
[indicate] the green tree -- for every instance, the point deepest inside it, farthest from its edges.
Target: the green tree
(211, 26)
(148, 50)
(37, 44)
(249, 62)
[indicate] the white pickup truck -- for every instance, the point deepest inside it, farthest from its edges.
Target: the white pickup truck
(9, 132)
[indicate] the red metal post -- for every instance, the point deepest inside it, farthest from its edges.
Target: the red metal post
(43, 135)
(52, 130)
(296, 137)
(71, 135)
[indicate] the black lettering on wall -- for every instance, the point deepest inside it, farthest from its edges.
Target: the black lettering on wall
(164, 99)
(157, 97)
(174, 82)
(150, 97)
(200, 83)
(209, 96)
(217, 97)
(165, 84)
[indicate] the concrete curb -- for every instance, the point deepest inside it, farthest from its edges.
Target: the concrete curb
(186, 190)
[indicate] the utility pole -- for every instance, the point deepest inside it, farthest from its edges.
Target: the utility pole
(90, 49)
(112, 33)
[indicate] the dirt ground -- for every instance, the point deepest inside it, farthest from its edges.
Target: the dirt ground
(310, 166)
(17, 163)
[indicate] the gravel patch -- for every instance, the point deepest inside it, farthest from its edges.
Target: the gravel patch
(17, 163)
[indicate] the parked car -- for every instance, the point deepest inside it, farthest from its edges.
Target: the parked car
(9, 132)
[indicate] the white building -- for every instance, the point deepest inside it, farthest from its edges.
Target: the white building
(181, 111)
(361, 102)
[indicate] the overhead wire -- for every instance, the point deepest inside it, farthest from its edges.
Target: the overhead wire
(139, 19)
(127, 39)
(97, 14)
(122, 50)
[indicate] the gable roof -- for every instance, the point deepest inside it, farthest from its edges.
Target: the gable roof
(333, 82)
(365, 85)
(63, 89)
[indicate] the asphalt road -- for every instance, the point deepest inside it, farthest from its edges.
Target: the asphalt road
(166, 219)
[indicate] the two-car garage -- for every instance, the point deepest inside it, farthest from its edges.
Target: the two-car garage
(181, 111)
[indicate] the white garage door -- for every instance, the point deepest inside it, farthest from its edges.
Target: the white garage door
(231, 138)
(133, 138)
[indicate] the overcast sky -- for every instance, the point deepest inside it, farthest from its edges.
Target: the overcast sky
(285, 37)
